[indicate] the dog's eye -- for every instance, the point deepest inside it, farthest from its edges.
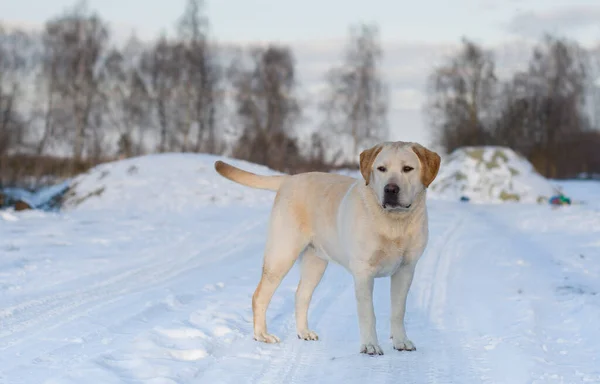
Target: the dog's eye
(382, 169)
(407, 168)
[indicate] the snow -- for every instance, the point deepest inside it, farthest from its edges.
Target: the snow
(586, 191)
(490, 174)
(151, 282)
(167, 182)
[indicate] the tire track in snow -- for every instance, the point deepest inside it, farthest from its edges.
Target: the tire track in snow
(299, 355)
(233, 357)
(542, 326)
(42, 313)
(143, 337)
(333, 317)
(431, 277)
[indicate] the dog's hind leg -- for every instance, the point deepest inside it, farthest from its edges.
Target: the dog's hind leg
(313, 269)
(282, 250)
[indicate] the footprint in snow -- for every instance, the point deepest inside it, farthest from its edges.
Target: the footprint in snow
(213, 287)
(575, 290)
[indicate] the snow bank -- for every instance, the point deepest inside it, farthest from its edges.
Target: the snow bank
(175, 182)
(164, 182)
(490, 174)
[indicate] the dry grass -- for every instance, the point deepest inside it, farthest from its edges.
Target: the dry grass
(30, 171)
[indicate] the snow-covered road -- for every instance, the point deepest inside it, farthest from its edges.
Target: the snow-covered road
(503, 294)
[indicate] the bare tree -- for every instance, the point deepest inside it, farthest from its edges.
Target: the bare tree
(356, 101)
(160, 70)
(48, 93)
(126, 98)
(542, 111)
(461, 96)
(512, 126)
(557, 73)
(14, 66)
(267, 106)
(556, 82)
(593, 86)
(77, 40)
(202, 85)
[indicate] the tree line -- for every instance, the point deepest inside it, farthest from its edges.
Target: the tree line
(70, 97)
(70, 89)
(548, 112)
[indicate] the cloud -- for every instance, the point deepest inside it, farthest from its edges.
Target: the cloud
(494, 5)
(534, 24)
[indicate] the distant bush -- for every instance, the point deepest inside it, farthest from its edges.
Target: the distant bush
(31, 171)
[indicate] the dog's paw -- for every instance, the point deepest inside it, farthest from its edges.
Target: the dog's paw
(308, 335)
(371, 349)
(404, 345)
(266, 338)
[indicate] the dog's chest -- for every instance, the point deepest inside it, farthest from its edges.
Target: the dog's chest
(389, 254)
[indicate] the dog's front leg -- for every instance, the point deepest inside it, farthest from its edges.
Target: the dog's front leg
(363, 286)
(400, 285)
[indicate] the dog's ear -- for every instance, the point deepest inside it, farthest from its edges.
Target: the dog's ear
(367, 157)
(430, 163)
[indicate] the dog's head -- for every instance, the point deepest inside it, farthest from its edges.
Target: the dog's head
(398, 172)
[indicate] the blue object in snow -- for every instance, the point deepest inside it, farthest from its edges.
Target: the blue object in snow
(559, 200)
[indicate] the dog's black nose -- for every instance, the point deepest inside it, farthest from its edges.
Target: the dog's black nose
(391, 189)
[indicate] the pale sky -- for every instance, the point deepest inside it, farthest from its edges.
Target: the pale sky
(420, 20)
(416, 34)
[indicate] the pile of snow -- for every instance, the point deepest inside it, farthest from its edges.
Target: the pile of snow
(165, 182)
(490, 174)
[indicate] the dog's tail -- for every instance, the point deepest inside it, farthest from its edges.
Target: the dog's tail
(248, 179)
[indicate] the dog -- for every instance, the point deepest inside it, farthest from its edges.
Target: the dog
(374, 227)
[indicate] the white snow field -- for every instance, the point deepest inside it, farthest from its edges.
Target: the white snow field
(150, 281)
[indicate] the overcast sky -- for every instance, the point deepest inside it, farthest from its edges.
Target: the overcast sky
(416, 34)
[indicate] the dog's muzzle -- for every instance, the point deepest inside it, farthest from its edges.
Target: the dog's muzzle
(391, 194)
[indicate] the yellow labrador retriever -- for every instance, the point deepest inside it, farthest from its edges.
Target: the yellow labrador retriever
(373, 227)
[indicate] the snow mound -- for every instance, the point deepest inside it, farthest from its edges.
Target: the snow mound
(490, 174)
(163, 182)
